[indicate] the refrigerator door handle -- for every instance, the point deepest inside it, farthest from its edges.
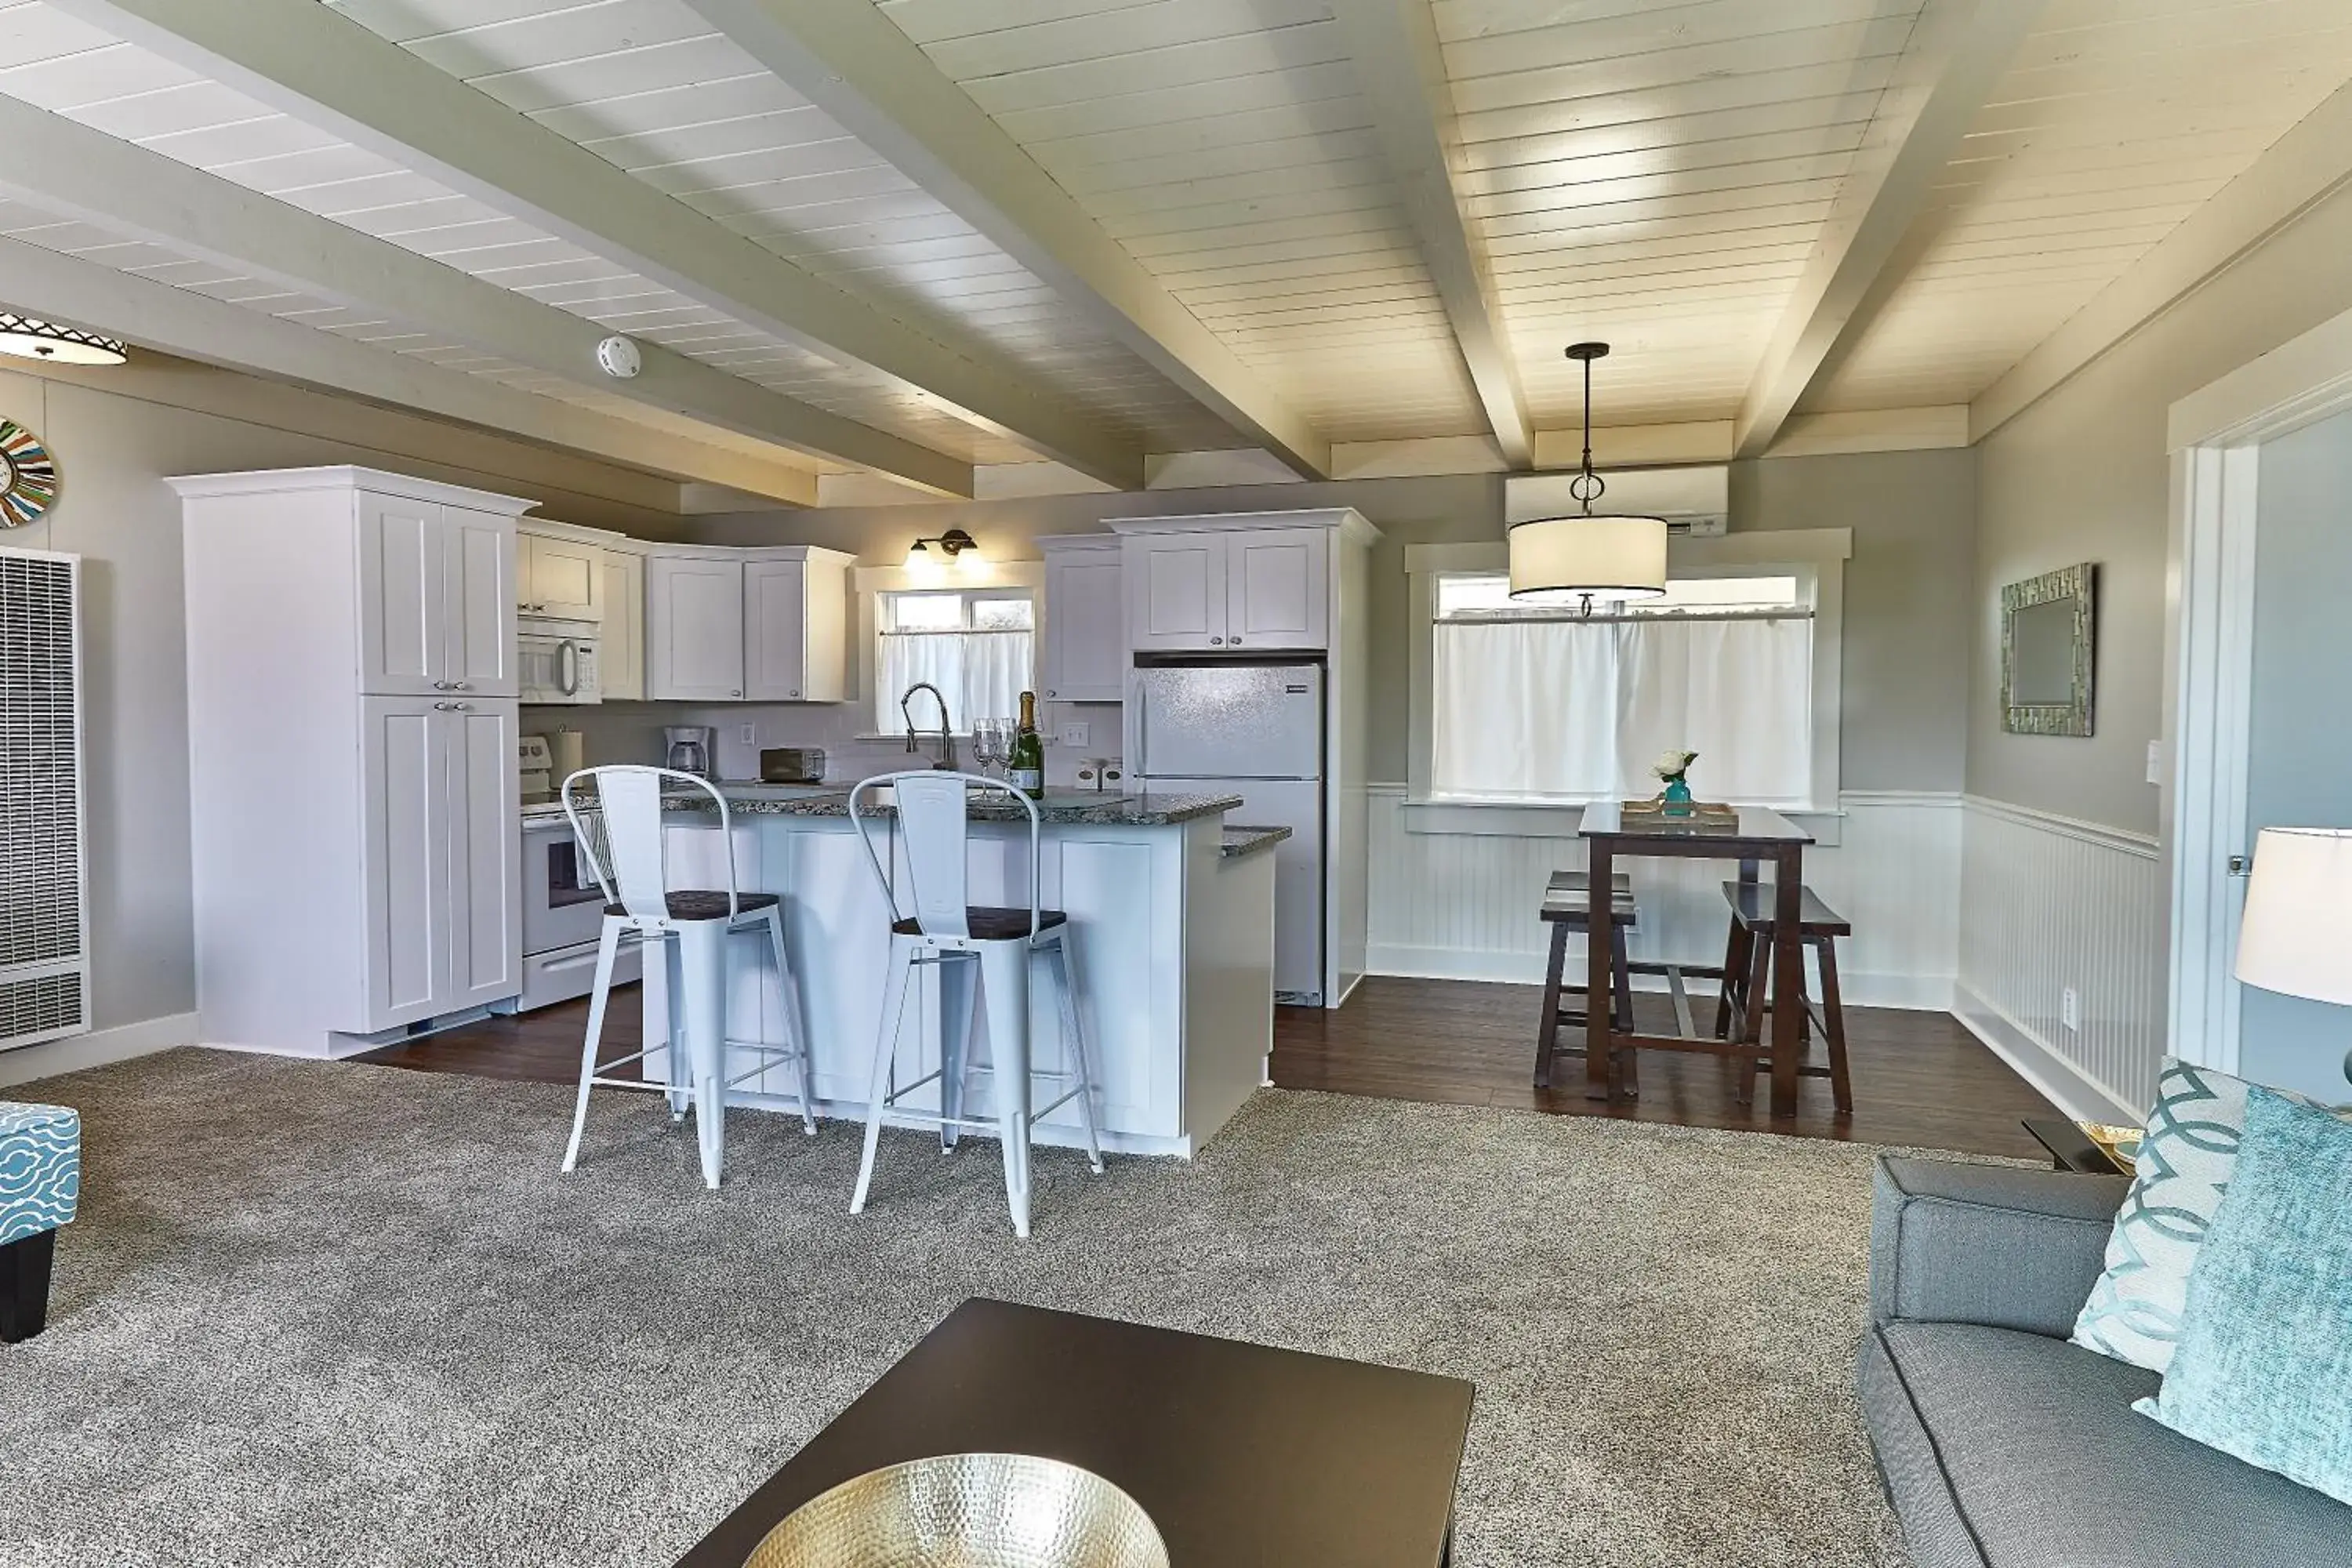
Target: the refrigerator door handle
(1143, 732)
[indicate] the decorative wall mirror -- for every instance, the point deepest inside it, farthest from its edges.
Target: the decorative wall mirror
(2048, 634)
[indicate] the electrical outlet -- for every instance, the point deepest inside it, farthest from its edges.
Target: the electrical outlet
(751, 734)
(1075, 732)
(2069, 1009)
(2156, 762)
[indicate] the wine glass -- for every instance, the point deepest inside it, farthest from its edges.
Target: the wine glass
(992, 747)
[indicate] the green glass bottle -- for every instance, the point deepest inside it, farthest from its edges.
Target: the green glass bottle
(1026, 768)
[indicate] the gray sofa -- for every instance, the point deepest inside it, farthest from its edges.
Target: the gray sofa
(2004, 1447)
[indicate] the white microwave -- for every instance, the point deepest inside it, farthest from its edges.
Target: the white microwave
(557, 669)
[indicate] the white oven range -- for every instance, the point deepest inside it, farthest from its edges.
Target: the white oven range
(562, 914)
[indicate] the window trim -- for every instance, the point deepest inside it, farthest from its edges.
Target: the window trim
(964, 576)
(1820, 554)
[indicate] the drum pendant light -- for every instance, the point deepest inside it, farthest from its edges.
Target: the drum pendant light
(1585, 556)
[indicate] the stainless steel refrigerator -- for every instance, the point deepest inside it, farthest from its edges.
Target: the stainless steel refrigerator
(1215, 726)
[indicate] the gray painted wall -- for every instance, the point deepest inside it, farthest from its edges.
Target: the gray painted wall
(2301, 774)
(116, 512)
(1913, 515)
(2083, 476)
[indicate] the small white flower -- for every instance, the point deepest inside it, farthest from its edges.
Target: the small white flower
(1673, 763)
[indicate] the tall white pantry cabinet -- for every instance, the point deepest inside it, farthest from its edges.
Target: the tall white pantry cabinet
(352, 736)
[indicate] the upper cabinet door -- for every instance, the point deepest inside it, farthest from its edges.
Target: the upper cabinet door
(1278, 592)
(620, 657)
(478, 596)
(404, 597)
(561, 579)
(1085, 642)
(1176, 591)
(694, 630)
(775, 630)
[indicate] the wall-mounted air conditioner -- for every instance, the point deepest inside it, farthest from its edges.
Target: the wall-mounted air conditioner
(44, 905)
(1695, 501)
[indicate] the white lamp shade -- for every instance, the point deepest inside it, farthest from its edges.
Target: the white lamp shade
(1561, 560)
(2297, 934)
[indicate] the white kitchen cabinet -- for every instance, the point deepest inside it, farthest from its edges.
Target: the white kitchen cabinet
(693, 629)
(1084, 656)
(436, 596)
(1176, 591)
(375, 881)
(755, 625)
(1278, 588)
(560, 577)
(621, 655)
(1218, 584)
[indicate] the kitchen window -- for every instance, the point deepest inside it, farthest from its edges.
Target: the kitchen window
(1523, 707)
(976, 645)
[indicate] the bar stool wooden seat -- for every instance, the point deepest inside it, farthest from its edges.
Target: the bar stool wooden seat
(690, 927)
(1747, 985)
(1565, 909)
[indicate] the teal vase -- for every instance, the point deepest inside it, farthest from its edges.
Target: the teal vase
(1676, 802)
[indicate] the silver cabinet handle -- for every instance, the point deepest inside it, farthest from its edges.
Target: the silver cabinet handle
(1218, 641)
(1049, 694)
(444, 685)
(735, 694)
(1233, 642)
(461, 686)
(795, 691)
(453, 707)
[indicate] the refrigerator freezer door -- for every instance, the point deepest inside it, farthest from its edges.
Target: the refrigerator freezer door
(1298, 881)
(1230, 721)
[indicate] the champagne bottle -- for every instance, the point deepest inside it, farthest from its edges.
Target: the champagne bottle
(1025, 769)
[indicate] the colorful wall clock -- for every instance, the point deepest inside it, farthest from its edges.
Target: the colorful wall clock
(28, 476)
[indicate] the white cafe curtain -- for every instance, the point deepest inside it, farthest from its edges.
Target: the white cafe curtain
(983, 673)
(1580, 710)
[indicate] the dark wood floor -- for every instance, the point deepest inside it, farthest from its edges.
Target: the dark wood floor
(1919, 1078)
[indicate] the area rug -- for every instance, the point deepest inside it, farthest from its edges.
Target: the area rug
(332, 1314)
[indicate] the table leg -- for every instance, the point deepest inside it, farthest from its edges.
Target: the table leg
(1600, 1024)
(1788, 977)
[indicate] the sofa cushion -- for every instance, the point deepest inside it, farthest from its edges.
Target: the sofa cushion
(40, 1169)
(2006, 1450)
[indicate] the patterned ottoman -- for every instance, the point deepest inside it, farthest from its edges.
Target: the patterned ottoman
(40, 1182)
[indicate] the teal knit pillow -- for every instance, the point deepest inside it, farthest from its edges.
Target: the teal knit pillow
(2264, 1369)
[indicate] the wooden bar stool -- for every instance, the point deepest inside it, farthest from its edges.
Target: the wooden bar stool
(1747, 985)
(1565, 909)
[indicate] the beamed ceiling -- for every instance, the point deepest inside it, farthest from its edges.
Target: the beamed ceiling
(907, 238)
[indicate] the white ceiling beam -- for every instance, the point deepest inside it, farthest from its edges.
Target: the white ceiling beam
(2303, 168)
(55, 286)
(1401, 68)
(1957, 52)
(852, 61)
(56, 164)
(307, 60)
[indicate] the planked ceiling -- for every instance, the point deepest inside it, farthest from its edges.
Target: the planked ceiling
(1681, 179)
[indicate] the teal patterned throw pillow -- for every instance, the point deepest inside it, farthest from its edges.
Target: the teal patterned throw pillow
(2181, 1171)
(2263, 1366)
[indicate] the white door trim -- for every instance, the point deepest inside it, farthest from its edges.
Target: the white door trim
(2215, 434)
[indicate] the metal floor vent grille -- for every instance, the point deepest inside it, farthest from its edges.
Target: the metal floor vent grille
(44, 964)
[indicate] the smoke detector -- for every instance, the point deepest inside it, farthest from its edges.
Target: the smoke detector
(619, 357)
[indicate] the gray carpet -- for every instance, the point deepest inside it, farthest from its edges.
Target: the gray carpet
(351, 1315)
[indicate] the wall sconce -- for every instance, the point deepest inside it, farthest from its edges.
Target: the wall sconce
(954, 544)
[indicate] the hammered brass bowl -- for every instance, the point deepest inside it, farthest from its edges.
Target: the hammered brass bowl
(967, 1511)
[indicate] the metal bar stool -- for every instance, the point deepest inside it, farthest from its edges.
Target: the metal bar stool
(1748, 989)
(967, 943)
(691, 925)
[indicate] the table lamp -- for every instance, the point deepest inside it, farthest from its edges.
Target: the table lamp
(2297, 934)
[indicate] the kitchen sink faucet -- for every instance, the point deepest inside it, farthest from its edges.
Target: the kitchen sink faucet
(947, 761)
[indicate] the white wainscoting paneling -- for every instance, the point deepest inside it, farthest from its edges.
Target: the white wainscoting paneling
(2050, 904)
(1463, 905)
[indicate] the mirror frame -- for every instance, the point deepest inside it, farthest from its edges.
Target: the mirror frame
(2075, 716)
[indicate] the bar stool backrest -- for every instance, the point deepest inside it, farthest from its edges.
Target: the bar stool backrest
(624, 846)
(936, 827)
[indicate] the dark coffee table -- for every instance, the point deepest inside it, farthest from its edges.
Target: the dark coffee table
(1244, 1456)
(2071, 1148)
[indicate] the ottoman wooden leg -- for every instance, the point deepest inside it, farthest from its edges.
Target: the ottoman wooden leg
(25, 1286)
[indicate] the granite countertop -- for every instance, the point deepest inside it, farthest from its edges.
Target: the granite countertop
(1241, 841)
(1059, 808)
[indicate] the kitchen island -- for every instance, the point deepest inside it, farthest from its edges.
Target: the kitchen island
(1172, 946)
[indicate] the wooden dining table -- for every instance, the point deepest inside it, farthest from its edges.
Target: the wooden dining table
(1753, 836)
